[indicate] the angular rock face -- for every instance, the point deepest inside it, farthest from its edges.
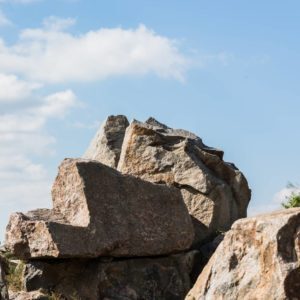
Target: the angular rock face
(140, 278)
(215, 192)
(107, 143)
(259, 258)
(99, 212)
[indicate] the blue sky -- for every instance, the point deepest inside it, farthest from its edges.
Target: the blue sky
(225, 70)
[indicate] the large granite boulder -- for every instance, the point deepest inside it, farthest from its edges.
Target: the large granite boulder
(107, 143)
(96, 279)
(259, 258)
(215, 192)
(97, 211)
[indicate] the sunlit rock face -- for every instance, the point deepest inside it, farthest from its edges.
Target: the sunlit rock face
(215, 192)
(97, 211)
(259, 258)
(107, 143)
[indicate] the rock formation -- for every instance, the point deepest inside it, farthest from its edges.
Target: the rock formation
(259, 258)
(140, 278)
(99, 212)
(126, 217)
(215, 192)
(107, 143)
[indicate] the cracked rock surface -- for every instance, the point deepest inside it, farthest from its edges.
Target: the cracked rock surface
(259, 258)
(97, 211)
(215, 192)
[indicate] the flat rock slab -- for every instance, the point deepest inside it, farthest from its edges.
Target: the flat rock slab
(141, 278)
(97, 211)
(259, 258)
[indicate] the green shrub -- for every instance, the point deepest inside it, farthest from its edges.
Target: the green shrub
(292, 201)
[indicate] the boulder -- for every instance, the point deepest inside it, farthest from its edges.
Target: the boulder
(259, 258)
(215, 192)
(107, 143)
(97, 211)
(95, 279)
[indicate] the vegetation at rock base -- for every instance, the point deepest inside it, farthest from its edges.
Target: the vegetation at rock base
(14, 276)
(293, 200)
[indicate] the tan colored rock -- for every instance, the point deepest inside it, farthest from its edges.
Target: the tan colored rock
(107, 143)
(215, 192)
(140, 278)
(36, 295)
(259, 259)
(99, 212)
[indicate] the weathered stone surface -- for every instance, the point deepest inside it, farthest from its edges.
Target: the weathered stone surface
(215, 192)
(96, 279)
(259, 258)
(3, 287)
(107, 143)
(36, 295)
(99, 212)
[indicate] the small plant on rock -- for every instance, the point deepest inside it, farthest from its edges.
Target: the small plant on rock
(14, 276)
(294, 199)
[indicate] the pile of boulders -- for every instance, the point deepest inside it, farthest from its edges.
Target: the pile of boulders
(139, 216)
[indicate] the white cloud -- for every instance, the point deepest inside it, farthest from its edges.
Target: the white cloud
(30, 120)
(56, 105)
(54, 23)
(4, 21)
(14, 89)
(20, 167)
(25, 183)
(52, 55)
